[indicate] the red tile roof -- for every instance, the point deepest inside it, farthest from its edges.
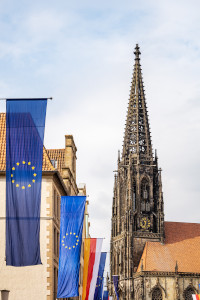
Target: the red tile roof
(182, 244)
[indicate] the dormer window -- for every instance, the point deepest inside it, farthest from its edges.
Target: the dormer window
(54, 163)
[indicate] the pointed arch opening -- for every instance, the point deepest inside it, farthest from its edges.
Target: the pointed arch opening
(134, 194)
(145, 195)
(189, 291)
(157, 294)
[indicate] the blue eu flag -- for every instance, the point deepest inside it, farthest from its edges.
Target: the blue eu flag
(71, 227)
(99, 285)
(99, 289)
(105, 295)
(25, 122)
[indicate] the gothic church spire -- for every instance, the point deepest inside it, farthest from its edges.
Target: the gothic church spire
(137, 139)
(138, 206)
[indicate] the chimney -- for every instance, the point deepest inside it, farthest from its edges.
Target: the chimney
(70, 155)
(69, 167)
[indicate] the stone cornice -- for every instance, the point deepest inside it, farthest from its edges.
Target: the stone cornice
(151, 235)
(165, 274)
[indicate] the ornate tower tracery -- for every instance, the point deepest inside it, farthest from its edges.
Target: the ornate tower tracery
(137, 139)
(137, 211)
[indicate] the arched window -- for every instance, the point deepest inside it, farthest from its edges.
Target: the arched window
(134, 195)
(157, 294)
(188, 293)
(145, 197)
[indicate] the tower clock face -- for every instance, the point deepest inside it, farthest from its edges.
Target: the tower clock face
(145, 223)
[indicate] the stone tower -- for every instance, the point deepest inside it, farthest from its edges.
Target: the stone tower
(137, 210)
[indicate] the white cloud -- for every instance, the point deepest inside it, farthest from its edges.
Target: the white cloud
(81, 53)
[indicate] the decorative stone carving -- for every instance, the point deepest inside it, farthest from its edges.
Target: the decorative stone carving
(189, 290)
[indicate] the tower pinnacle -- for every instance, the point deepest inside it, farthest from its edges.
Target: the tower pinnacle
(137, 139)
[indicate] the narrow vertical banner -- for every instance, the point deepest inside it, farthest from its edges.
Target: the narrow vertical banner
(99, 284)
(25, 123)
(71, 227)
(92, 253)
(105, 295)
(115, 282)
(100, 293)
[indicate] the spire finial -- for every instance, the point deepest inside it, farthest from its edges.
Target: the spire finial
(137, 52)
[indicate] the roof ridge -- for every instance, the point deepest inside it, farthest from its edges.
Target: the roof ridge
(48, 156)
(143, 259)
(181, 222)
(146, 246)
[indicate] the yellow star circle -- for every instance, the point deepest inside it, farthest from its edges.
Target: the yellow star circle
(70, 241)
(23, 187)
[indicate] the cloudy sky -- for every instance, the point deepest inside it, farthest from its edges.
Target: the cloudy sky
(81, 53)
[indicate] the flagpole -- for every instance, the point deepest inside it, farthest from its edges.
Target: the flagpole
(48, 98)
(93, 238)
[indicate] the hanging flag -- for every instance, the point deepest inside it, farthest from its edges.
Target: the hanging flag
(115, 282)
(71, 227)
(105, 295)
(196, 297)
(99, 284)
(25, 122)
(100, 292)
(92, 253)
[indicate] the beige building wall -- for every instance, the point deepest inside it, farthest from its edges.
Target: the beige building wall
(27, 282)
(35, 282)
(53, 231)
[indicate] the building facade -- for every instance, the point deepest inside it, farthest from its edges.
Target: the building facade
(58, 179)
(138, 216)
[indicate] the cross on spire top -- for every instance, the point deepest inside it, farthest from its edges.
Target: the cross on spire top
(137, 52)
